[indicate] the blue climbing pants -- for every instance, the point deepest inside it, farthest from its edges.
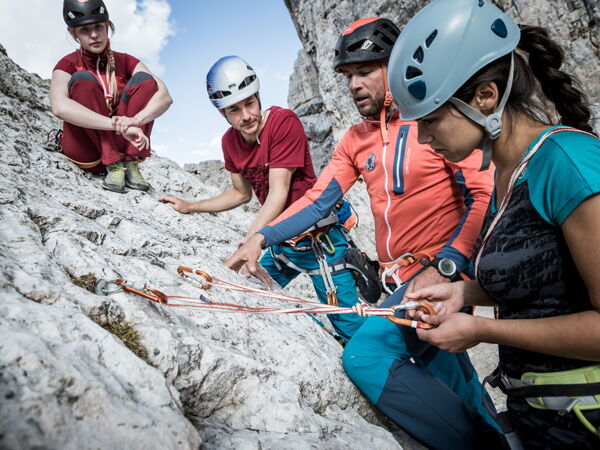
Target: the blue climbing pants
(345, 325)
(436, 397)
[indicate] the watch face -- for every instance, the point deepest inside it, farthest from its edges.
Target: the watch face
(447, 267)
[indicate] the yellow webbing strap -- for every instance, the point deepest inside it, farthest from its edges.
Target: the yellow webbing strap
(584, 375)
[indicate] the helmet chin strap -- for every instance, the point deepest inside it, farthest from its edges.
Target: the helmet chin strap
(492, 124)
(386, 102)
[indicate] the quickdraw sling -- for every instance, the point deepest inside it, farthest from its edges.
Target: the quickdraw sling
(205, 282)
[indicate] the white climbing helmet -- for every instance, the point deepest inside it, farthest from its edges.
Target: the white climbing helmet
(229, 81)
(443, 46)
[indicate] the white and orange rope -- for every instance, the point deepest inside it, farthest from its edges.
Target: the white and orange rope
(204, 281)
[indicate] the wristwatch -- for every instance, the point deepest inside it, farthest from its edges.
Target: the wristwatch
(445, 266)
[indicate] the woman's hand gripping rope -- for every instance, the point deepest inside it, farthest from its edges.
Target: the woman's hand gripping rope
(454, 331)
(426, 308)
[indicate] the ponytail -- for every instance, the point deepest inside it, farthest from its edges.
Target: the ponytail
(112, 68)
(545, 59)
(537, 62)
(112, 71)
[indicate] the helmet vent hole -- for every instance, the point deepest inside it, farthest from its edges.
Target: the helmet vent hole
(412, 72)
(430, 39)
(384, 37)
(418, 55)
(418, 89)
(365, 44)
(499, 28)
(219, 94)
(247, 81)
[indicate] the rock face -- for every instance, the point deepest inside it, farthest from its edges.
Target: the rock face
(80, 370)
(320, 96)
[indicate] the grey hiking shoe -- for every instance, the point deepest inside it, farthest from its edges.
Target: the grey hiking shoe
(115, 179)
(133, 177)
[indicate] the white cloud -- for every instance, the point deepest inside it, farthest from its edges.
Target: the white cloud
(210, 149)
(281, 76)
(160, 129)
(35, 35)
(183, 150)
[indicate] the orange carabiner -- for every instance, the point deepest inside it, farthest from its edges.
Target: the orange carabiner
(182, 271)
(423, 306)
(152, 294)
(332, 298)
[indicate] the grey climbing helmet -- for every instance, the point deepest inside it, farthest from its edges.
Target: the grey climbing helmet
(230, 80)
(443, 46)
(78, 13)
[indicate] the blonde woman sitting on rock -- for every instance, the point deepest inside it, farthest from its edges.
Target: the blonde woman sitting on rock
(107, 100)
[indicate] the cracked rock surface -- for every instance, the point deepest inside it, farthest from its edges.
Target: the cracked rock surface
(193, 379)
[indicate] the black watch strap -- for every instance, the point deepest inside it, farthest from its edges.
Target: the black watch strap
(446, 267)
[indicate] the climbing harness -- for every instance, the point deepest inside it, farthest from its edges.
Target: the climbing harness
(391, 268)
(53, 141)
(314, 243)
(363, 270)
(204, 281)
(576, 391)
(321, 225)
(317, 239)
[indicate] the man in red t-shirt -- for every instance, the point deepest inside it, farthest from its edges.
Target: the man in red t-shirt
(267, 152)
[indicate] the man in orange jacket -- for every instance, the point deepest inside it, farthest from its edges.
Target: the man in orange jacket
(428, 213)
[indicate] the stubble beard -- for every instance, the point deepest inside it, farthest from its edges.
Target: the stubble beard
(372, 109)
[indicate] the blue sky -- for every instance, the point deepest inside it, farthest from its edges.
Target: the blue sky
(178, 40)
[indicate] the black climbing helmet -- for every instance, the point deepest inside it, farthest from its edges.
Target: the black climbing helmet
(366, 40)
(84, 12)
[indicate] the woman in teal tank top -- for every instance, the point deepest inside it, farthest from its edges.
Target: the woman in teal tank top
(475, 80)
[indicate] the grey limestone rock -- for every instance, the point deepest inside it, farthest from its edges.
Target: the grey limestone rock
(191, 378)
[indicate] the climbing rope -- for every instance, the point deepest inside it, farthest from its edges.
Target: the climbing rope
(204, 281)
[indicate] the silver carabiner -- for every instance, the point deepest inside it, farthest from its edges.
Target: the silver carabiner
(103, 287)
